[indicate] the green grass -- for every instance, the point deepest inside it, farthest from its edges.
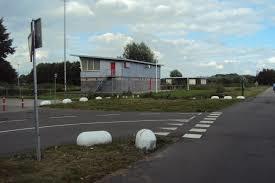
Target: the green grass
(71, 163)
(153, 105)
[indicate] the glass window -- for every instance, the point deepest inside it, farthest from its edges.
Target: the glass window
(84, 64)
(90, 65)
(96, 65)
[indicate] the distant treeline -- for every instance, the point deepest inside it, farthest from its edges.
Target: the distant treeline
(46, 71)
(266, 77)
(231, 79)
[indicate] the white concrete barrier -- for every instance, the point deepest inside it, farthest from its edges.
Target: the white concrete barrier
(93, 138)
(228, 98)
(83, 99)
(215, 97)
(240, 97)
(108, 97)
(146, 140)
(45, 102)
(98, 98)
(66, 101)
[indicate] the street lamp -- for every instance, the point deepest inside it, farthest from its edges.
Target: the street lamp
(18, 82)
(156, 76)
(65, 67)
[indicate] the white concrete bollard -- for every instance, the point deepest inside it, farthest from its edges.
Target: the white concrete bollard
(117, 96)
(137, 96)
(98, 98)
(228, 98)
(83, 99)
(45, 102)
(66, 101)
(108, 97)
(240, 97)
(146, 140)
(215, 97)
(93, 138)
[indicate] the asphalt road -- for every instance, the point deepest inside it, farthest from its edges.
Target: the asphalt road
(238, 146)
(63, 126)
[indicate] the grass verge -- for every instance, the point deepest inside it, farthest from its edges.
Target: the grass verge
(153, 105)
(71, 163)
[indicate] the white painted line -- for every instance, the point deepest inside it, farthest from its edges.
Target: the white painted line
(162, 133)
(207, 122)
(175, 124)
(181, 120)
(216, 113)
(192, 136)
(60, 117)
(108, 115)
(192, 118)
(192, 113)
(16, 120)
(210, 119)
(202, 126)
(200, 130)
(91, 123)
(200, 114)
(168, 128)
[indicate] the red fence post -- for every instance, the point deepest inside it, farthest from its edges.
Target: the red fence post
(4, 103)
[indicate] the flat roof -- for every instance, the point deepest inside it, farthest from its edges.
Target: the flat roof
(186, 78)
(116, 59)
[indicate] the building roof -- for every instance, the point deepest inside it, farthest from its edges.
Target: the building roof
(116, 59)
(186, 77)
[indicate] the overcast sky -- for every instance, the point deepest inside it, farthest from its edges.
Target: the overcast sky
(197, 37)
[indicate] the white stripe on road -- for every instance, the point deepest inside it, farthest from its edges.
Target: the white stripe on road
(91, 123)
(210, 119)
(192, 136)
(60, 117)
(175, 124)
(16, 120)
(108, 115)
(207, 122)
(162, 133)
(168, 128)
(200, 130)
(202, 126)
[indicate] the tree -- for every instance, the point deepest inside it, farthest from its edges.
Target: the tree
(7, 73)
(266, 77)
(175, 73)
(141, 52)
(46, 71)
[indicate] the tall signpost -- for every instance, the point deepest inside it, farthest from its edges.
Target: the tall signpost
(35, 41)
(65, 67)
(156, 76)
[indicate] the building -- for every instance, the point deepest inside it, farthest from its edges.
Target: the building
(181, 82)
(117, 75)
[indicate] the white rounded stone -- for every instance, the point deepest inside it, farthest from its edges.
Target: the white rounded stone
(240, 97)
(83, 99)
(228, 98)
(45, 102)
(108, 97)
(93, 138)
(66, 101)
(146, 140)
(98, 98)
(215, 97)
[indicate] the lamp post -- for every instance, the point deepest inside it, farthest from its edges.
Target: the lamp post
(18, 81)
(156, 76)
(65, 67)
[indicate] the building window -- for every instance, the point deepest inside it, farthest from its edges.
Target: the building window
(90, 65)
(127, 64)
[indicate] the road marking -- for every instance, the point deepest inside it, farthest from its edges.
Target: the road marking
(193, 113)
(200, 130)
(162, 133)
(192, 136)
(16, 120)
(181, 120)
(207, 122)
(210, 119)
(202, 126)
(192, 118)
(219, 113)
(175, 124)
(200, 114)
(168, 128)
(108, 115)
(60, 117)
(91, 123)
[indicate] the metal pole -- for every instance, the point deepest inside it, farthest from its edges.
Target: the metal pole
(65, 67)
(55, 88)
(37, 133)
(18, 82)
(156, 76)
(188, 87)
